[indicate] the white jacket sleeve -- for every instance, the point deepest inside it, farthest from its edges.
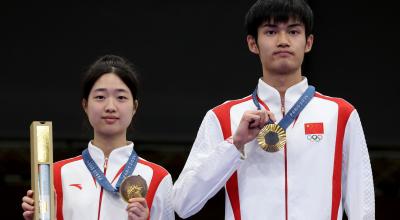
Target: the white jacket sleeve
(357, 181)
(162, 208)
(210, 164)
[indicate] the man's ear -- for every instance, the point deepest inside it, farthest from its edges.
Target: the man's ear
(309, 43)
(252, 44)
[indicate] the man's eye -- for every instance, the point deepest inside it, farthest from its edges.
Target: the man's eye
(122, 98)
(294, 32)
(99, 97)
(270, 32)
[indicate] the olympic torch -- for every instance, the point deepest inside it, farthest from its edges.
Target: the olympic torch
(42, 169)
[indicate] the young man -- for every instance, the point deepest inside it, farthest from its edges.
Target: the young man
(324, 165)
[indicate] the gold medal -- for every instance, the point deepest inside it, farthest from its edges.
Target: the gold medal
(133, 187)
(272, 138)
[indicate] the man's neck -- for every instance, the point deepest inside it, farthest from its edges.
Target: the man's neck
(282, 82)
(108, 144)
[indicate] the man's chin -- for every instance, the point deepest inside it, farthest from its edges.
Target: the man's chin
(284, 69)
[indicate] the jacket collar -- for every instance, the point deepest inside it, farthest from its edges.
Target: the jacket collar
(271, 97)
(117, 158)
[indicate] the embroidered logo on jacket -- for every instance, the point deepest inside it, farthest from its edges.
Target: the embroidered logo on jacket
(77, 185)
(314, 131)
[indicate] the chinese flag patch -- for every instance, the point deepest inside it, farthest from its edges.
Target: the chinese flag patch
(314, 128)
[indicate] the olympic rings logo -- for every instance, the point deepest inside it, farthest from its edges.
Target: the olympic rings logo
(314, 137)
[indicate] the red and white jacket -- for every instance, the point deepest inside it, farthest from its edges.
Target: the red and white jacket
(79, 195)
(323, 169)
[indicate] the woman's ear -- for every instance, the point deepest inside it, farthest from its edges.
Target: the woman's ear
(135, 106)
(84, 105)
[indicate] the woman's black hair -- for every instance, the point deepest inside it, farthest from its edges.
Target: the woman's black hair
(110, 64)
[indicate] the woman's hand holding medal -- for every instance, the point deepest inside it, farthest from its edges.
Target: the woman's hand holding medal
(134, 190)
(137, 209)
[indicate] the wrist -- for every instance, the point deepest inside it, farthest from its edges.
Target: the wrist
(238, 144)
(239, 147)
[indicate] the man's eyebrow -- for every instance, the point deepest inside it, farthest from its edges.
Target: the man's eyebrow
(269, 25)
(276, 25)
(295, 25)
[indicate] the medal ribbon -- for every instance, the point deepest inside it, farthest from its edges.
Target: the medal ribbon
(294, 111)
(99, 175)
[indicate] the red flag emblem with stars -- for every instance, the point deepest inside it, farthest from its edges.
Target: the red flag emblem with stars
(314, 128)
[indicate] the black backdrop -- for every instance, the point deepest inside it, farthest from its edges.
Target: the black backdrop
(191, 56)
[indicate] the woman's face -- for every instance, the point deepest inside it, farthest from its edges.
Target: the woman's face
(110, 106)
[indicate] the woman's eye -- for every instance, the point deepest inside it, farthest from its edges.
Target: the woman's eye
(122, 98)
(99, 97)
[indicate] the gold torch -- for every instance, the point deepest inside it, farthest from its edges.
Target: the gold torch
(42, 169)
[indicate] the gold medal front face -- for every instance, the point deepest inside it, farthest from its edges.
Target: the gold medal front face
(272, 138)
(133, 187)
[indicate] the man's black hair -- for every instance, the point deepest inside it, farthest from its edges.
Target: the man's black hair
(278, 11)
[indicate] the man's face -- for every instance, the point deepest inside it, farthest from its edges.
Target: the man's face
(281, 46)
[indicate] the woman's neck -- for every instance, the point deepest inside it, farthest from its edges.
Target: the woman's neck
(108, 144)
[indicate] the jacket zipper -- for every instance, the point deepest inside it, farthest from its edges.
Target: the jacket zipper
(283, 106)
(286, 172)
(102, 189)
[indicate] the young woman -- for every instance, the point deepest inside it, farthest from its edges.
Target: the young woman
(110, 102)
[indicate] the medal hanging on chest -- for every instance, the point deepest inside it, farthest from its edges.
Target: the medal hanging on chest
(125, 181)
(272, 137)
(133, 187)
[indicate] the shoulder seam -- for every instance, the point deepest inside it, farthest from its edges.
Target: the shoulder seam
(342, 103)
(232, 102)
(154, 166)
(67, 161)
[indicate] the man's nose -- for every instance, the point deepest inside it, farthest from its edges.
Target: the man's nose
(283, 39)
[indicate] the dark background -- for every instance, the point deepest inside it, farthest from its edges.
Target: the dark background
(191, 56)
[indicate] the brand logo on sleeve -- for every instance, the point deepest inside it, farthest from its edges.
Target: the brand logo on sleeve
(77, 185)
